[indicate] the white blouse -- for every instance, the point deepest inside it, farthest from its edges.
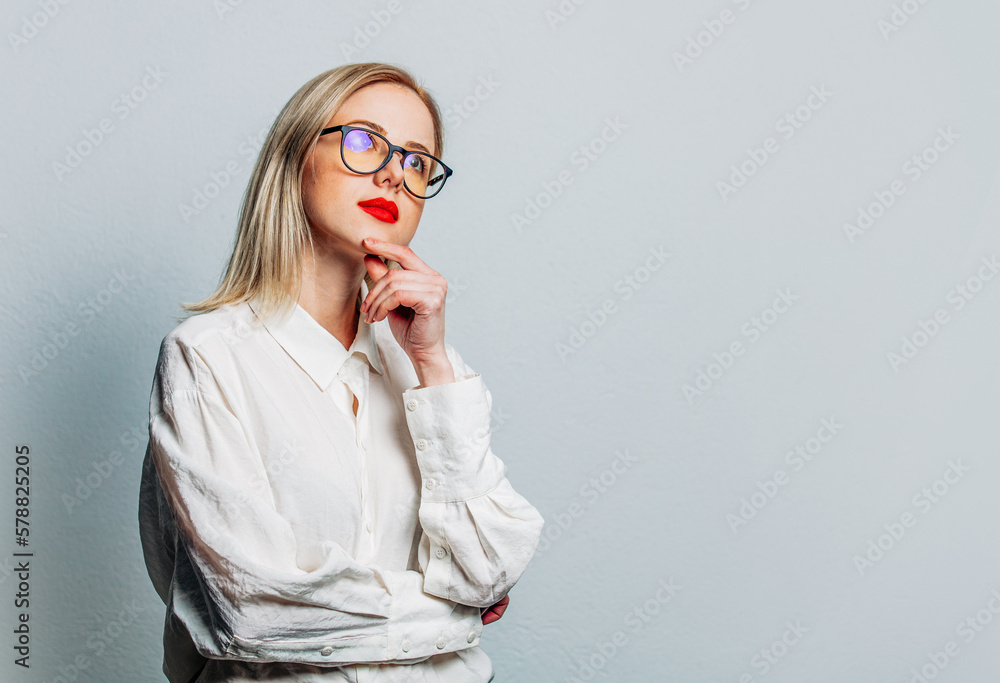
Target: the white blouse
(291, 539)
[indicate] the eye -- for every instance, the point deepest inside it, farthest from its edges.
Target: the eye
(417, 163)
(358, 141)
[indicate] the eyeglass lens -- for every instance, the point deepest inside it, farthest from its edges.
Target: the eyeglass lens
(364, 152)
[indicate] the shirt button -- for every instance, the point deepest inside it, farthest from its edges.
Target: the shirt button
(430, 484)
(472, 636)
(440, 552)
(411, 404)
(422, 444)
(406, 645)
(441, 642)
(326, 651)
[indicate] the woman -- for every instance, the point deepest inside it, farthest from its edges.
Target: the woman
(319, 499)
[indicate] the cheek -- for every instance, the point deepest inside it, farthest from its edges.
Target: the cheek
(321, 189)
(412, 223)
(311, 200)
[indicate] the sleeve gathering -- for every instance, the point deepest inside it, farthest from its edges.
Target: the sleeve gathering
(478, 533)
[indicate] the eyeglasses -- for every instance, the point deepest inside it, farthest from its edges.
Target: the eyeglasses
(364, 151)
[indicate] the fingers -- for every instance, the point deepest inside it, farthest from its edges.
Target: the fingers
(376, 267)
(403, 255)
(502, 603)
(421, 292)
(495, 611)
(418, 296)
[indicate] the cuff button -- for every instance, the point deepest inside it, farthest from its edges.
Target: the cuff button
(441, 643)
(406, 645)
(472, 636)
(326, 651)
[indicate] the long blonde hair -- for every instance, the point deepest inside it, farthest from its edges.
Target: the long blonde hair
(273, 230)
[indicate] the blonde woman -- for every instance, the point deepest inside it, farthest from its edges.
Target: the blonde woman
(319, 498)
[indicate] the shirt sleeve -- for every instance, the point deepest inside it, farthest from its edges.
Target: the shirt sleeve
(478, 533)
(244, 596)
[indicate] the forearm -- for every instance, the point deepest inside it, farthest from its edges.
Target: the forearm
(479, 534)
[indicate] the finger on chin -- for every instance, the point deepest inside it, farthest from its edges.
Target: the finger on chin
(375, 267)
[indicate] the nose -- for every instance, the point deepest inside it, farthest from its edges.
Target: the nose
(392, 171)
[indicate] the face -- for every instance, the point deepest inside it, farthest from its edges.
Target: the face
(331, 192)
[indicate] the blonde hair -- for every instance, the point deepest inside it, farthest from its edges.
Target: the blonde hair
(272, 231)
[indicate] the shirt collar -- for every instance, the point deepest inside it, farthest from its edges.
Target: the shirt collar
(314, 349)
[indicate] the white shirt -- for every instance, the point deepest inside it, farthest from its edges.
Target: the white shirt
(291, 539)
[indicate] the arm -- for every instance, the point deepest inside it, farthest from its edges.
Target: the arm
(244, 595)
(478, 533)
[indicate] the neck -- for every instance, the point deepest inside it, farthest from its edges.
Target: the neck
(331, 280)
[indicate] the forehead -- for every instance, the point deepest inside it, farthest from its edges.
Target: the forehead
(397, 109)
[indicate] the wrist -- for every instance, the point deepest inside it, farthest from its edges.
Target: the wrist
(435, 370)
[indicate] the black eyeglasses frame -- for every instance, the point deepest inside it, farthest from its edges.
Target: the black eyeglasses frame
(345, 129)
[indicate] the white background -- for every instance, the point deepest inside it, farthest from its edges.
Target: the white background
(78, 357)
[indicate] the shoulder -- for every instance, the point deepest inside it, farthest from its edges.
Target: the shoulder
(201, 341)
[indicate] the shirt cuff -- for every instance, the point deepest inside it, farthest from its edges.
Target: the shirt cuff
(450, 427)
(422, 625)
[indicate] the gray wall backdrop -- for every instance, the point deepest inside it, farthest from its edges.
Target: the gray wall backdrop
(727, 266)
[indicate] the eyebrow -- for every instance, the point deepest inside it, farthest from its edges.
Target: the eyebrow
(379, 129)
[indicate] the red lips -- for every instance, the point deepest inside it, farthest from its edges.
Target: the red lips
(383, 209)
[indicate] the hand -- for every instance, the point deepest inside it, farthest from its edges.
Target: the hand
(494, 612)
(413, 301)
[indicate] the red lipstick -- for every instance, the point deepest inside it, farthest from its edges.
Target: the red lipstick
(383, 209)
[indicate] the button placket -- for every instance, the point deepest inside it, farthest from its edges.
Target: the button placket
(354, 375)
